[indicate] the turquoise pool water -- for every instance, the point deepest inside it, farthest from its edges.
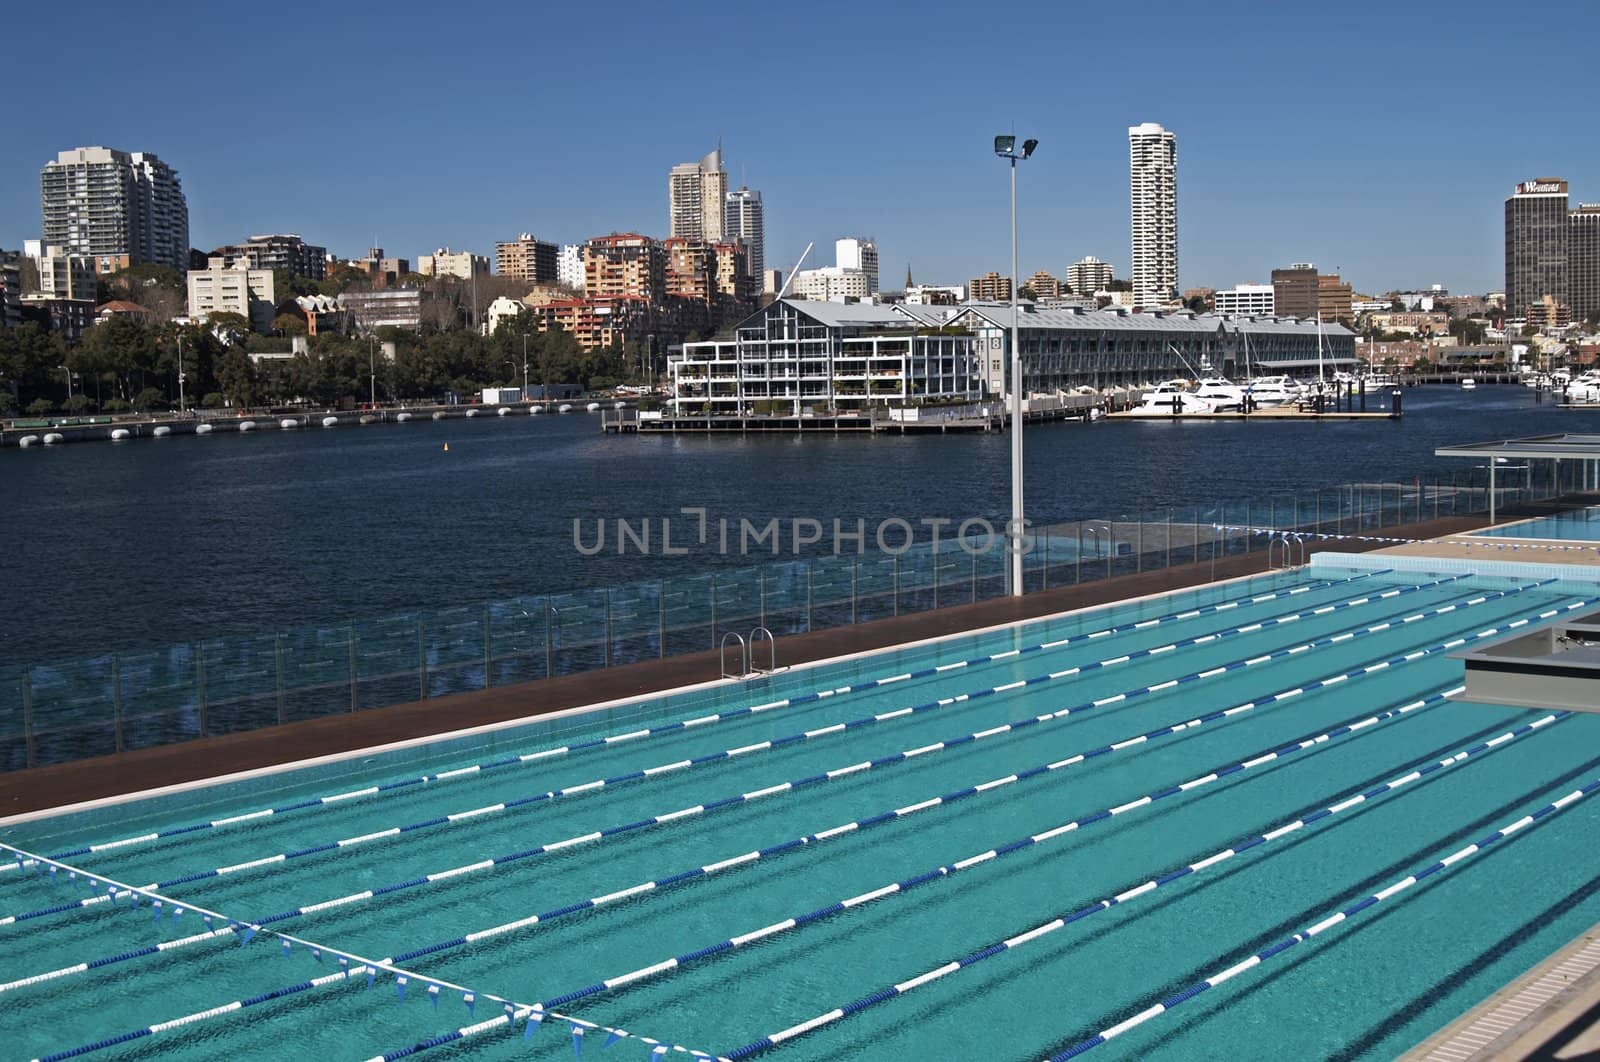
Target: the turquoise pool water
(1581, 526)
(1368, 988)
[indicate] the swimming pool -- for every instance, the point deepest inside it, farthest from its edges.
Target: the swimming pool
(1580, 526)
(994, 846)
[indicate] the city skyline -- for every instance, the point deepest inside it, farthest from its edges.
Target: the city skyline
(1363, 194)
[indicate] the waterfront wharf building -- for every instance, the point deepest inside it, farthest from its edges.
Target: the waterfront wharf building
(796, 355)
(116, 208)
(1536, 249)
(1063, 349)
(1153, 194)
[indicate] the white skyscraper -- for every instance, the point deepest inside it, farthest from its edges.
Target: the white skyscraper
(853, 252)
(744, 219)
(115, 208)
(569, 266)
(1153, 182)
(696, 192)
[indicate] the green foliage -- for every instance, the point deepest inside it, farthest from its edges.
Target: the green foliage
(149, 398)
(289, 324)
(116, 405)
(77, 404)
(1026, 292)
(237, 378)
(40, 406)
(212, 400)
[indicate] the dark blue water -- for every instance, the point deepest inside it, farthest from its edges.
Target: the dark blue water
(156, 541)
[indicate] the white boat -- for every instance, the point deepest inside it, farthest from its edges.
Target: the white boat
(1269, 391)
(1168, 398)
(1469, 384)
(1379, 381)
(1584, 388)
(1224, 395)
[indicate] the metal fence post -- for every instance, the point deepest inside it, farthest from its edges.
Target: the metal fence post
(1249, 523)
(488, 652)
(549, 638)
(422, 664)
(855, 579)
(1169, 538)
(277, 668)
(1077, 561)
(761, 595)
(355, 687)
(974, 556)
(808, 595)
(605, 654)
(936, 577)
(200, 684)
(32, 756)
(661, 618)
(713, 610)
(116, 700)
(1044, 568)
(894, 563)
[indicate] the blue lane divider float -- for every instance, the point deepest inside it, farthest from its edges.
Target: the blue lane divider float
(680, 725)
(548, 1006)
(456, 873)
(351, 967)
(1322, 925)
(594, 785)
(1412, 774)
(799, 921)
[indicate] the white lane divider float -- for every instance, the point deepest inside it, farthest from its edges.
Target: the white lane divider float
(687, 724)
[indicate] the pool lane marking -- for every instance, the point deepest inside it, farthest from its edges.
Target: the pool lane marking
(907, 884)
(731, 943)
(1253, 760)
(351, 965)
(1367, 902)
(865, 765)
(1408, 775)
(597, 784)
(818, 695)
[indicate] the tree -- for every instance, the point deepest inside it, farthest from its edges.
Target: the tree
(1026, 292)
(149, 398)
(237, 377)
(39, 407)
(289, 324)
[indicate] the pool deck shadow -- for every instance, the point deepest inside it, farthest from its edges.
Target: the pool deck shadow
(190, 761)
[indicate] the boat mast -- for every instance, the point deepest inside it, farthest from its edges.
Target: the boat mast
(1319, 347)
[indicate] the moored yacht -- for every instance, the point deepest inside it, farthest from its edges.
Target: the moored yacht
(1224, 395)
(1269, 391)
(1167, 399)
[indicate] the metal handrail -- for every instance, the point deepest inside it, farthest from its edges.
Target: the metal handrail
(772, 652)
(744, 656)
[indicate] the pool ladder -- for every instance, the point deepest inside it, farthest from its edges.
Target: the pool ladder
(1289, 540)
(747, 665)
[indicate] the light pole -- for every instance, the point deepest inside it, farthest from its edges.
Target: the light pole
(180, 372)
(525, 396)
(69, 380)
(372, 367)
(1006, 148)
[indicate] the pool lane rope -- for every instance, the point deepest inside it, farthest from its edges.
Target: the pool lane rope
(687, 724)
(939, 746)
(1412, 774)
(1324, 924)
(745, 859)
(703, 953)
(351, 966)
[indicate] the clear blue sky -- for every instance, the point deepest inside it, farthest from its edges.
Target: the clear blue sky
(1377, 140)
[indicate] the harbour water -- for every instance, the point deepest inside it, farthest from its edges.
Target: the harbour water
(122, 546)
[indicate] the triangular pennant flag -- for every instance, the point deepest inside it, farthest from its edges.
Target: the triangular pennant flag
(133, 899)
(54, 880)
(371, 976)
(344, 966)
(659, 1050)
(176, 911)
(316, 953)
(577, 1039)
(155, 911)
(400, 986)
(612, 1036)
(207, 920)
(433, 995)
(287, 947)
(249, 935)
(472, 1003)
(535, 1016)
